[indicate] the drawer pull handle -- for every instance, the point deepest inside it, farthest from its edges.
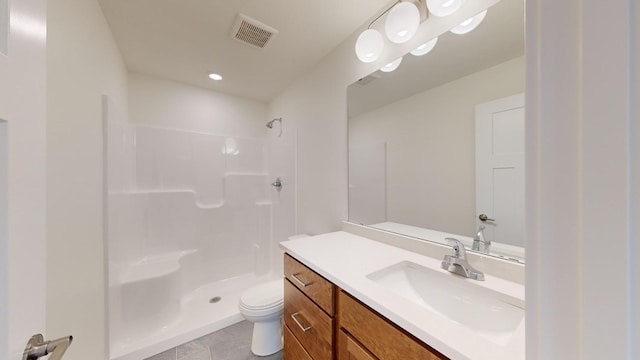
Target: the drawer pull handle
(302, 283)
(304, 329)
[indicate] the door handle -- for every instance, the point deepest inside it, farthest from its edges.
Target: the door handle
(484, 218)
(37, 348)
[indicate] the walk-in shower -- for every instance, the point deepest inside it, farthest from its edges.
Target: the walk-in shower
(189, 229)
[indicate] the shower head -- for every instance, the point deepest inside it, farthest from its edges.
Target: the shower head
(270, 123)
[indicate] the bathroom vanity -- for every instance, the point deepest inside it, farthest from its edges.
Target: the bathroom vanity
(350, 297)
(317, 312)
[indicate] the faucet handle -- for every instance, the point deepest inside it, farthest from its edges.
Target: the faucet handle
(458, 247)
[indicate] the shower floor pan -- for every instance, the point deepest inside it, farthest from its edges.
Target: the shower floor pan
(207, 309)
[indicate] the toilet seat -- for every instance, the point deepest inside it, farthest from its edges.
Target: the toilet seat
(264, 296)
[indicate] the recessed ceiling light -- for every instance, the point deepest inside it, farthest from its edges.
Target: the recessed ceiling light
(215, 77)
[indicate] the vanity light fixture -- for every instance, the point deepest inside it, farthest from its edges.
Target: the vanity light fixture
(392, 65)
(401, 23)
(469, 24)
(215, 76)
(444, 7)
(424, 48)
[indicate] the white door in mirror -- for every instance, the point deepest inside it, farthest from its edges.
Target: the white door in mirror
(500, 169)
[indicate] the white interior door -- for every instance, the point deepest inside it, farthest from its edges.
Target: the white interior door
(500, 169)
(22, 174)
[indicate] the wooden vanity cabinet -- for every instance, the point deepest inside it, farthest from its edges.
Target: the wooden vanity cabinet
(323, 322)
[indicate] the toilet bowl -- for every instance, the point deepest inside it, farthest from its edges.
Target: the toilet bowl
(263, 305)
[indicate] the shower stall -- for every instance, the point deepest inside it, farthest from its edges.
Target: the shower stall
(189, 219)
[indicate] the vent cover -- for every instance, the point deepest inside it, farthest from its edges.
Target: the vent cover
(367, 79)
(252, 32)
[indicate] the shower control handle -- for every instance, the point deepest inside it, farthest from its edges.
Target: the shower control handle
(302, 283)
(303, 328)
(277, 184)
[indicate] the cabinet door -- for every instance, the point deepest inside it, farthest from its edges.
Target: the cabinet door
(293, 350)
(380, 337)
(349, 349)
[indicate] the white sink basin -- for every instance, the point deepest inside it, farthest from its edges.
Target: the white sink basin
(490, 314)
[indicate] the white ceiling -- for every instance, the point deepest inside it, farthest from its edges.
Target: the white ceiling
(500, 37)
(185, 40)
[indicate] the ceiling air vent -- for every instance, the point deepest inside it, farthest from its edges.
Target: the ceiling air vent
(367, 79)
(252, 32)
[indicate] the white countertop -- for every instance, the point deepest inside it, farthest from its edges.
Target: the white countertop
(345, 259)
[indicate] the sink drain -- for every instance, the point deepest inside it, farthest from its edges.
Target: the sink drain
(215, 299)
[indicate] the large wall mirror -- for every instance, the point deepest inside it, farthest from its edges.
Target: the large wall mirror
(438, 143)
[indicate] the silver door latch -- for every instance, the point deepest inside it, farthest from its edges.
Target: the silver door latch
(37, 348)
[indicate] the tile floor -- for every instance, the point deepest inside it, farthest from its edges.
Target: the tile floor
(231, 343)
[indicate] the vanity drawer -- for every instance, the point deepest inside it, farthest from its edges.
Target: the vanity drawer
(310, 325)
(293, 350)
(349, 349)
(382, 338)
(317, 288)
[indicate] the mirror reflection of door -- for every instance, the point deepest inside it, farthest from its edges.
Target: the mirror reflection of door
(500, 169)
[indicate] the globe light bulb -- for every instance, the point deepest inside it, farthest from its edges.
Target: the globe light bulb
(424, 48)
(402, 22)
(443, 7)
(391, 66)
(469, 24)
(369, 45)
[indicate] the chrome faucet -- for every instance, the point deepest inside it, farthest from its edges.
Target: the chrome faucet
(457, 263)
(480, 239)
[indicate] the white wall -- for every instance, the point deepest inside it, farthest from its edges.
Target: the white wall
(164, 103)
(22, 239)
(431, 147)
(83, 63)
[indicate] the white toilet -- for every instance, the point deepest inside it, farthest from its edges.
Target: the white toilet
(263, 305)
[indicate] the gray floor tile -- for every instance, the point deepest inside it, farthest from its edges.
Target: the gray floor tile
(167, 355)
(242, 329)
(276, 356)
(231, 343)
(193, 351)
(231, 346)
